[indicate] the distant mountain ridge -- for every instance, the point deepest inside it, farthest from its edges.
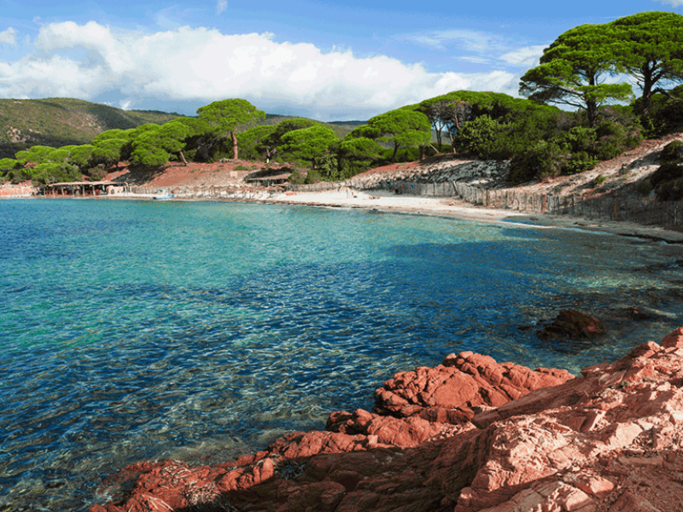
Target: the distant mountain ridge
(59, 122)
(341, 128)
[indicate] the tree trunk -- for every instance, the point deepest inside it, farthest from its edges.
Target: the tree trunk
(592, 111)
(183, 157)
(648, 83)
(393, 157)
(235, 149)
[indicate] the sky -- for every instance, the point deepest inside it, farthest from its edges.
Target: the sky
(315, 58)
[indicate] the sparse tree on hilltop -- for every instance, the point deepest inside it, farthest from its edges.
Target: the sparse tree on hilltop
(155, 145)
(226, 115)
(574, 69)
(310, 143)
(649, 46)
(402, 128)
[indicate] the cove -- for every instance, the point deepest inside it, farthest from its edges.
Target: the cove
(197, 331)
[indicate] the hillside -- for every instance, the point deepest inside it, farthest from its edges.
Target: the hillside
(616, 190)
(341, 128)
(61, 121)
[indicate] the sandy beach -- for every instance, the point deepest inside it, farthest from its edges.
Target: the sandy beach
(450, 207)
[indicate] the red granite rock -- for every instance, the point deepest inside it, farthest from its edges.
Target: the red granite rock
(608, 441)
(450, 392)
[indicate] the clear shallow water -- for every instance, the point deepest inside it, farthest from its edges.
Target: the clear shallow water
(198, 331)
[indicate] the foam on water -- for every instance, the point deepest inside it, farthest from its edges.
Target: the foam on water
(142, 330)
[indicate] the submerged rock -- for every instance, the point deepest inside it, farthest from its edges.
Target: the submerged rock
(570, 323)
(608, 441)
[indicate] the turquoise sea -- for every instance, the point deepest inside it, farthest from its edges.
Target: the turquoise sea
(203, 330)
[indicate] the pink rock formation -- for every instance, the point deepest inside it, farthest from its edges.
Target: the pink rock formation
(450, 392)
(608, 441)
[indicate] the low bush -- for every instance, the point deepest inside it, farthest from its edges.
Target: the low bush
(542, 160)
(313, 176)
(615, 138)
(297, 177)
(599, 180)
(482, 137)
(97, 173)
(579, 162)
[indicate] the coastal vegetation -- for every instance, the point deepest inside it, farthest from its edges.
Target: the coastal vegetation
(60, 122)
(589, 69)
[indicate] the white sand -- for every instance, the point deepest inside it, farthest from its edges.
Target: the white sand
(450, 207)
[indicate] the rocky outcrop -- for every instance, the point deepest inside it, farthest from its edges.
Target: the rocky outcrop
(607, 441)
(452, 391)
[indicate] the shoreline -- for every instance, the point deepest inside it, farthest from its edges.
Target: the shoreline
(446, 207)
(462, 210)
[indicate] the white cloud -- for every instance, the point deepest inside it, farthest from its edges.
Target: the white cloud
(468, 40)
(527, 57)
(675, 3)
(221, 5)
(474, 60)
(199, 64)
(9, 36)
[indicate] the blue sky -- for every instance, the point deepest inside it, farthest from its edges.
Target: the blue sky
(321, 59)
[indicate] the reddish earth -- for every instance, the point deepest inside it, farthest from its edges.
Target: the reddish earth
(468, 435)
(225, 173)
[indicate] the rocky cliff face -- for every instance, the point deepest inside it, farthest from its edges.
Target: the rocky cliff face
(468, 435)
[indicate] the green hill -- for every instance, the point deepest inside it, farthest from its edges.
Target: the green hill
(59, 122)
(341, 128)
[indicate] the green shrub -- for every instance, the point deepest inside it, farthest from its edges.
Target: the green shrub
(17, 176)
(577, 139)
(52, 172)
(97, 173)
(579, 162)
(543, 160)
(34, 154)
(668, 182)
(599, 180)
(9, 164)
(240, 168)
(614, 138)
(297, 178)
(665, 114)
(312, 176)
(482, 137)
(327, 166)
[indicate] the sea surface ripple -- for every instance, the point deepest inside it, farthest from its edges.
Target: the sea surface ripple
(201, 331)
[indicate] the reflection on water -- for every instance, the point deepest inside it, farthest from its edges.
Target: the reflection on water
(203, 330)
